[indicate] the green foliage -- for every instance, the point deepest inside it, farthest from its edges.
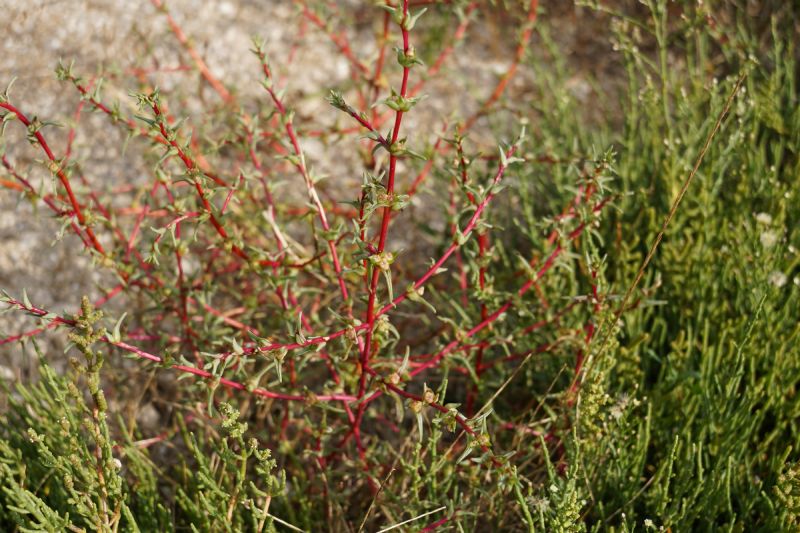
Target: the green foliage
(692, 407)
(548, 401)
(61, 472)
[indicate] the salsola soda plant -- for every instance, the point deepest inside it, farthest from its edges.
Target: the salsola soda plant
(424, 330)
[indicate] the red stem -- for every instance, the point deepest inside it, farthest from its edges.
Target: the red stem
(387, 215)
(301, 167)
(62, 177)
(195, 55)
(183, 368)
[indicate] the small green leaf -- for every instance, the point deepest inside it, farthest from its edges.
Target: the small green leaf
(26, 300)
(115, 334)
(411, 20)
